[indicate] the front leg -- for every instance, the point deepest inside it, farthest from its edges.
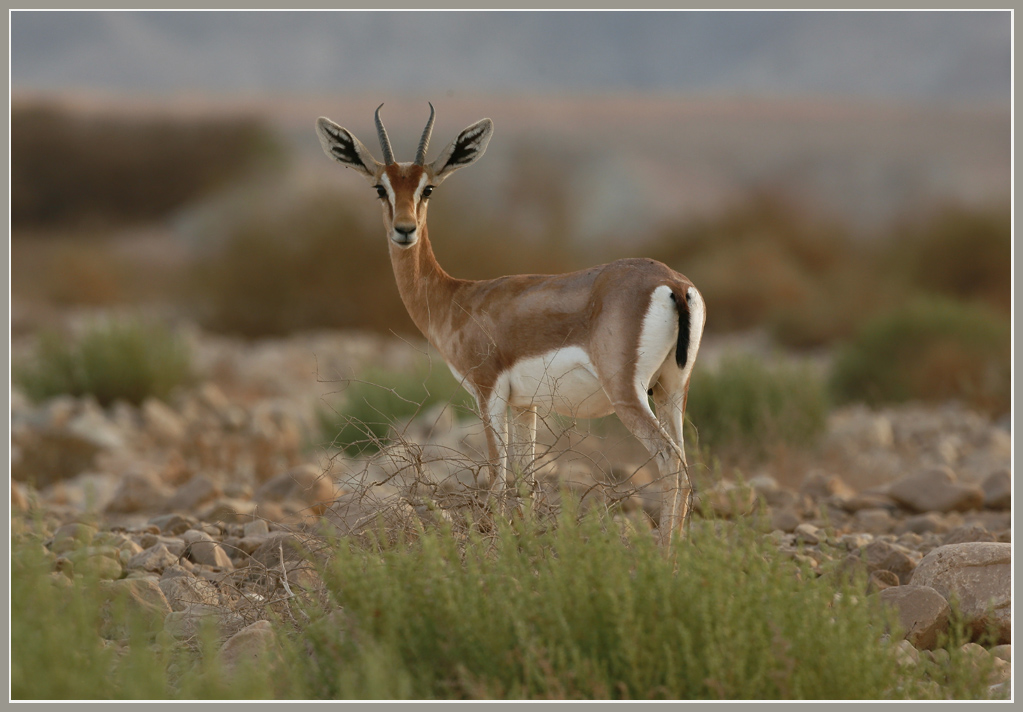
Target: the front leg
(495, 422)
(523, 445)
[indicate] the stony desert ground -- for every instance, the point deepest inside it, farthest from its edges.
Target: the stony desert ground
(194, 505)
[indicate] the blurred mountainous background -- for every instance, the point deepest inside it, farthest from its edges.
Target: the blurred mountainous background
(903, 55)
(178, 147)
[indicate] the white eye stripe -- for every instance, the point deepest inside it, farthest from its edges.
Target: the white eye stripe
(420, 187)
(385, 181)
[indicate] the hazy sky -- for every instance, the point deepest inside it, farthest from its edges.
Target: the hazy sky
(915, 55)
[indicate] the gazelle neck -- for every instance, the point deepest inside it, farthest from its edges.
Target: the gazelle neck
(425, 288)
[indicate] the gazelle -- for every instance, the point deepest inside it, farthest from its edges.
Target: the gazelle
(582, 344)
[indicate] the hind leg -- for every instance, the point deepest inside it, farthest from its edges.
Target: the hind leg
(636, 415)
(669, 394)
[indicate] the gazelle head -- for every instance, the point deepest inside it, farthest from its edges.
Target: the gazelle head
(404, 189)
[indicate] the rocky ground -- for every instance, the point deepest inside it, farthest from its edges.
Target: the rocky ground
(196, 509)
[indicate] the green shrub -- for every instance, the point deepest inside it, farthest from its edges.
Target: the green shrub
(312, 263)
(959, 253)
(70, 640)
(933, 349)
(577, 612)
(582, 610)
(128, 361)
(763, 261)
(76, 170)
(382, 399)
(747, 406)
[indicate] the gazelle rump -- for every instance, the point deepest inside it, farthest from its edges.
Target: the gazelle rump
(582, 344)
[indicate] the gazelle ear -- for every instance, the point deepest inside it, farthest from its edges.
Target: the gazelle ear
(343, 147)
(464, 150)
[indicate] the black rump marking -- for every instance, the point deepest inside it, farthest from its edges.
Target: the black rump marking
(682, 348)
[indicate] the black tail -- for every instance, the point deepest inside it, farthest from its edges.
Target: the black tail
(682, 349)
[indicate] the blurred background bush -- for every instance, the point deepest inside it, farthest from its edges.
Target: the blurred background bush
(920, 309)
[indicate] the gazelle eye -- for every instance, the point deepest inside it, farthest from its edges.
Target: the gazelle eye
(381, 191)
(427, 191)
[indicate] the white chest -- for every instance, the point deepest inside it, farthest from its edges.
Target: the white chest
(563, 381)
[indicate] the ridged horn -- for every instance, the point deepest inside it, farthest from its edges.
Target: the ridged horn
(385, 143)
(425, 140)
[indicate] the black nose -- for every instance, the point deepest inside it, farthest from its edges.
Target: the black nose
(404, 234)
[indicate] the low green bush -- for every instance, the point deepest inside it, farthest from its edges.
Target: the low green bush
(128, 361)
(380, 400)
(581, 612)
(71, 640)
(934, 349)
(309, 262)
(72, 169)
(963, 254)
(585, 609)
(745, 405)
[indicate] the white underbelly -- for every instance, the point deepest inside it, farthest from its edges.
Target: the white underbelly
(561, 381)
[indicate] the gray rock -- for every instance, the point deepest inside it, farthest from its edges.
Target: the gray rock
(935, 490)
(197, 491)
(141, 598)
(883, 555)
(1002, 652)
(967, 533)
(125, 545)
(978, 659)
(87, 491)
(248, 544)
(257, 527)
(255, 644)
(173, 544)
(910, 540)
(100, 562)
(48, 455)
(187, 623)
(881, 579)
(155, 558)
(997, 488)
(866, 500)
(925, 523)
(176, 570)
(763, 485)
(306, 483)
(162, 423)
(71, 536)
(138, 492)
(291, 546)
(184, 591)
(92, 425)
(785, 520)
(978, 576)
(855, 540)
(923, 613)
(822, 485)
(202, 549)
(174, 524)
(229, 510)
(727, 499)
(873, 521)
(807, 533)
